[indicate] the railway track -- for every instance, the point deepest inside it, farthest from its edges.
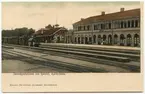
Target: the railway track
(99, 48)
(128, 66)
(95, 55)
(134, 57)
(54, 63)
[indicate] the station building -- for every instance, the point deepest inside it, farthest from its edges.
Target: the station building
(119, 28)
(51, 34)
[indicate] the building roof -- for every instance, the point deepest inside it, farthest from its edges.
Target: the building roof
(111, 16)
(51, 31)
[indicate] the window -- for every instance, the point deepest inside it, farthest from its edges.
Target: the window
(128, 23)
(136, 40)
(132, 23)
(101, 26)
(82, 40)
(78, 40)
(106, 26)
(122, 40)
(94, 39)
(121, 24)
(78, 28)
(129, 40)
(84, 28)
(136, 23)
(109, 25)
(110, 39)
(95, 27)
(115, 39)
(86, 40)
(99, 39)
(90, 40)
(88, 27)
(124, 24)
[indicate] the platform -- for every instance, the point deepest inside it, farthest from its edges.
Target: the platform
(93, 46)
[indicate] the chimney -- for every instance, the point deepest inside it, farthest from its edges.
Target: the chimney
(121, 9)
(103, 13)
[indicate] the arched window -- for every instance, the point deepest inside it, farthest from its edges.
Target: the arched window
(115, 39)
(86, 40)
(82, 40)
(110, 39)
(104, 37)
(122, 40)
(90, 40)
(129, 39)
(78, 40)
(136, 40)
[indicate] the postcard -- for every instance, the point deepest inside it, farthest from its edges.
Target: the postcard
(72, 46)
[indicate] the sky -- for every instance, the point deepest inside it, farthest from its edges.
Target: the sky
(37, 15)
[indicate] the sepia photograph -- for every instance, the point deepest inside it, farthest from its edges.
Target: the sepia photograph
(85, 41)
(60, 37)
